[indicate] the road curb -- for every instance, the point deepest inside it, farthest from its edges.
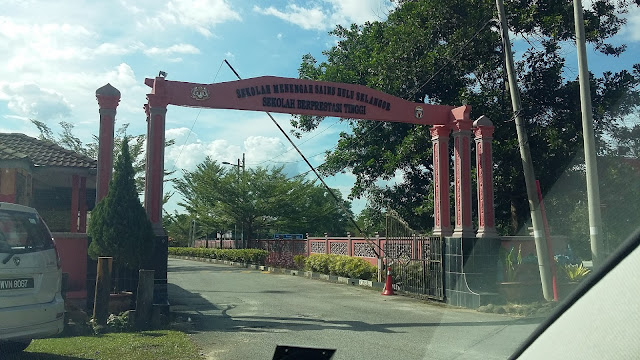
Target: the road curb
(275, 270)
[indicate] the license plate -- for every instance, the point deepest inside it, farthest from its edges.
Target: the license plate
(12, 284)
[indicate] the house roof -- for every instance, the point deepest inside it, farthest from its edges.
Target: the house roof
(16, 146)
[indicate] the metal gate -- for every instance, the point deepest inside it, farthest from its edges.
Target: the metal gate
(416, 265)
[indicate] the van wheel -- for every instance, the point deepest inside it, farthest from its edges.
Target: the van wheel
(11, 347)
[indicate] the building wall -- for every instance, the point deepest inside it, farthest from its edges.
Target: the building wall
(16, 186)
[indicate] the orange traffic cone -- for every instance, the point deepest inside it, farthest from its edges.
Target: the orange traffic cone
(388, 286)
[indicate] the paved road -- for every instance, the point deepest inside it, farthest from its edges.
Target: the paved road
(243, 314)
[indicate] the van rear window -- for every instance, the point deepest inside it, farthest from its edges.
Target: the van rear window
(23, 231)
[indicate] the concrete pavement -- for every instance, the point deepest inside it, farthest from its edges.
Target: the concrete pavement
(238, 313)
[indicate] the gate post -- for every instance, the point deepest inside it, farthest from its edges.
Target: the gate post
(441, 206)
(156, 113)
(108, 98)
(483, 131)
(156, 110)
(326, 244)
(462, 171)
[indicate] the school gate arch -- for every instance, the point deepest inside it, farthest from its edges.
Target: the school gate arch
(321, 98)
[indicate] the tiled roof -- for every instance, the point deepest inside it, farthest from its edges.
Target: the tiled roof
(41, 153)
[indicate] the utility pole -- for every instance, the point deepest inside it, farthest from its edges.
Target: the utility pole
(244, 246)
(192, 239)
(591, 164)
(527, 164)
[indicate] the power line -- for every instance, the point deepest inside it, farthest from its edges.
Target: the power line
(192, 125)
(339, 202)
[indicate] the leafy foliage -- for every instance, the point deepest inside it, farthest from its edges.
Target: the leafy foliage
(341, 265)
(68, 140)
(512, 262)
(451, 53)
(575, 272)
(299, 261)
(119, 226)
(261, 201)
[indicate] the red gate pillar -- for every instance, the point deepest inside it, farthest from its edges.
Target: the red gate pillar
(108, 99)
(441, 206)
(462, 171)
(75, 184)
(156, 111)
(483, 131)
(83, 205)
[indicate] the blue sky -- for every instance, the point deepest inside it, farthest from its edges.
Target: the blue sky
(56, 54)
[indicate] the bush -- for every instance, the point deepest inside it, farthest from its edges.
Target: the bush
(341, 265)
(250, 256)
(300, 261)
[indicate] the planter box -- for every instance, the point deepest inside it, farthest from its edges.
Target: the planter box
(377, 285)
(343, 280)
(520, 291)
(566, 288)
(365, 283)
(120, 302)
(324, 277)
(294, 272)
(353, 281)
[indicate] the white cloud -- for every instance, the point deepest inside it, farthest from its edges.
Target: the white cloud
(172, 50)
(30, 100)
(201, 15)
(259, 151)
(117, 49)
(307, 18)
(632, 31)
(345, 12)
(328, 13)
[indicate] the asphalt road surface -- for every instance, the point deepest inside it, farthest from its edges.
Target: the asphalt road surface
(236, 313)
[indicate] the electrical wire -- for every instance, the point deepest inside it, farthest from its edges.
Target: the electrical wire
(175, 163)
(339, 202)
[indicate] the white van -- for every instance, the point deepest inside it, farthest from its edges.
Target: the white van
(31, 304)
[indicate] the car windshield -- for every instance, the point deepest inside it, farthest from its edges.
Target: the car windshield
(22, 232)
(432, 177)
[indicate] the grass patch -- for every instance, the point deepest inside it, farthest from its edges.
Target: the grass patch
(152, 345)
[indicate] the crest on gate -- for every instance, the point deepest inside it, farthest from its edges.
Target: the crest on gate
(199, 93)
(419, 112)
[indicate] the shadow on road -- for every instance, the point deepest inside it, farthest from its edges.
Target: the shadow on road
(192, 306)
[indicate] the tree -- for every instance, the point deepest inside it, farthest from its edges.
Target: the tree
(68, 140)
(451, 53)
(119, 226)
(178, 227)
(260, 201)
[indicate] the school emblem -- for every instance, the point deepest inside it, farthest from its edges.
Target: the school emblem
(419, 112)
(200, 93)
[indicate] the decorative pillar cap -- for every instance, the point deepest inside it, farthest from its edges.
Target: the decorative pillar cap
(108, 97)
(108, 90)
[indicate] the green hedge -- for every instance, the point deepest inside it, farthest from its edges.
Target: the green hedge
(341, 265)
(250, 256)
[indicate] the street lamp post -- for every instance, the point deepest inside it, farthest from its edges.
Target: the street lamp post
(239, 166)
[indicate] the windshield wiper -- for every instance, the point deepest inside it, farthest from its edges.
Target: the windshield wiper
(26, 249)
(6, 260)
